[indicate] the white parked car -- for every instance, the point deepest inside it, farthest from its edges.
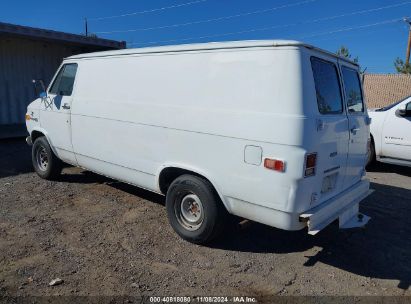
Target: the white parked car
(391, 134)
(272, 131)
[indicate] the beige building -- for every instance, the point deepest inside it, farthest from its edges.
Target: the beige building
(384, 89)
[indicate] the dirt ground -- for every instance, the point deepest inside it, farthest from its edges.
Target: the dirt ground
(103, 237)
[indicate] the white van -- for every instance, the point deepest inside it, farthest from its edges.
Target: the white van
(271, 131)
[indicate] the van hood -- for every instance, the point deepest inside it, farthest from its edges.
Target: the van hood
(35, 104)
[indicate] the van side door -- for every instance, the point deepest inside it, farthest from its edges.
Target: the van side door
(55, 115)
(358, 124)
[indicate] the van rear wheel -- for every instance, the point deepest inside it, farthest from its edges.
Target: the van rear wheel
(45, 162)
(194, 209)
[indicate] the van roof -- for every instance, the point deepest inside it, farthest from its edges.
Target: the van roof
(204, 46)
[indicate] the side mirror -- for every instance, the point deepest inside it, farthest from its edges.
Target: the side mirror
(42, 93)
(401, 112)
(368, 120)
(404, 111)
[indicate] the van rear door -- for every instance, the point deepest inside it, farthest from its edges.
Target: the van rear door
(331, 140)
(358, 121)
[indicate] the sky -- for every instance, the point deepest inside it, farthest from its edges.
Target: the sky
(373, 30)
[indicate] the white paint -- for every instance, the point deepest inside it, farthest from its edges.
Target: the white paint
(253, 155)
(392, 134)
(135, 112)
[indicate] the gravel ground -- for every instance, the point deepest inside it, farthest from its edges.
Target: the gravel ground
(103, 237)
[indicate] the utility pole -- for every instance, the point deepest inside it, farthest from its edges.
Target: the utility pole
(86, 26)
(407, 59)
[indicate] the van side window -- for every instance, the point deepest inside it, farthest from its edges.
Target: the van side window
(63, 84)
(327, 86)
(353, 92)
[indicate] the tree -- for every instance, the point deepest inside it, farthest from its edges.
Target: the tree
(402, 67)
(92, 35)
(344, 52)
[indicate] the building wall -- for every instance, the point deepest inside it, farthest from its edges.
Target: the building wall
(21, 61)
(384, 89)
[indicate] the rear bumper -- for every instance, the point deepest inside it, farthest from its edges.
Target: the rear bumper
(343, 207)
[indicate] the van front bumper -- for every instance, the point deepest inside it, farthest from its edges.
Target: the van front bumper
(344, 207)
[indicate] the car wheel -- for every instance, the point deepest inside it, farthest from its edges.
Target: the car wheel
(371, 154)
(194, 209)
(45, 162)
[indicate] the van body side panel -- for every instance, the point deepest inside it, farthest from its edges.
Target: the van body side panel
(220, 110)
(134, 115)
(209, 107)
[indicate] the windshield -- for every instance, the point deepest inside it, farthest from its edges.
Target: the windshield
(391, 105)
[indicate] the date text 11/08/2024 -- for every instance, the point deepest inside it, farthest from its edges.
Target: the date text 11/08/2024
(203, 299)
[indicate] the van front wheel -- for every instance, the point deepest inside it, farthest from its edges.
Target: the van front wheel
(45, 163)
(194, 209)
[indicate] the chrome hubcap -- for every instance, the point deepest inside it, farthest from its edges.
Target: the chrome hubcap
(42, 159)
(190, 213)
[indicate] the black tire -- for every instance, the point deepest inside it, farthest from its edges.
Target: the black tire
(371, 154)
(212, 214)
(45, 162)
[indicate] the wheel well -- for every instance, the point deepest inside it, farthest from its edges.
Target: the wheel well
(372, 143)
(35, 134)
(168, 175)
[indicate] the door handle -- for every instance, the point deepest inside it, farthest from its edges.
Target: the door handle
(66, 106)
(354, 130)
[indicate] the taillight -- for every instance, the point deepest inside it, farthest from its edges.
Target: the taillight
(274, 164)
(310, 163)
